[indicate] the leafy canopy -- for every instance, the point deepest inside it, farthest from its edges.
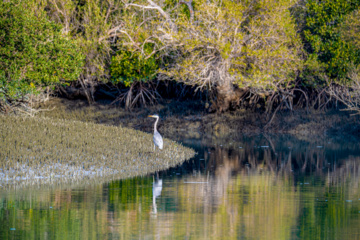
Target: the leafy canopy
(325, 41)
(33, 51)
(129, 67)
(247, 43)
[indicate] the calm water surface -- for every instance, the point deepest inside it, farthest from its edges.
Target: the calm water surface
(246, 188)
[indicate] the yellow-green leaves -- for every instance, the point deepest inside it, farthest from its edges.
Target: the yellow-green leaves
(33, 51)
(350, 29)
(250, 44)
(325, 25)
(128, 67)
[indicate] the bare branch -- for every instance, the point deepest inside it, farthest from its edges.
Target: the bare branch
(153, 5)
(191, 9)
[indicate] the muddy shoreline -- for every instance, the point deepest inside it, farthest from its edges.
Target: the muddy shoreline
(189, 119)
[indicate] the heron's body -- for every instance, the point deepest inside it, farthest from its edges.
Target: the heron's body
(158, 141)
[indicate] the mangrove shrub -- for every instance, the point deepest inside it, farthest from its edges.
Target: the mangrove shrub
(34, 52)
(252, 45)
(130, 67)
(323, 38)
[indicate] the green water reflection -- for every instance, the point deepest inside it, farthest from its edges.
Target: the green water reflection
(256, 188)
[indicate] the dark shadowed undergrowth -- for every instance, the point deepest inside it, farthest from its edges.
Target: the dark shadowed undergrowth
(188, 119)
(36, 151)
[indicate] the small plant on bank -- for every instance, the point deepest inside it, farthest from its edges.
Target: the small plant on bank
(135, 72)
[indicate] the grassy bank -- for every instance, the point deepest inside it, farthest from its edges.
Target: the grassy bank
(43, 150)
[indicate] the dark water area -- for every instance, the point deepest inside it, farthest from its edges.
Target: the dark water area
(261, 187)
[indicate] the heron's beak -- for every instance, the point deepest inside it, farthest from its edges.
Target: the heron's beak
(151, 116)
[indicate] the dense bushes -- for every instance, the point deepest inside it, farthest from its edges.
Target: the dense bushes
(129, 67)
(323, 33)
(251, 45)
(268, 48)
(33, 52)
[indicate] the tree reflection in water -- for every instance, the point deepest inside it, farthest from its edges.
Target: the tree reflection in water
(253, 188)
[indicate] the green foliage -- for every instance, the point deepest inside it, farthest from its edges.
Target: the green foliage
(314, 73)
(94, 22)
(350, 32)
(33, 52)
(323, 36)
(249, 44)
(273, 51)
(129, 67)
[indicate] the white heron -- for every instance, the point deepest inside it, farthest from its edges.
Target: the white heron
(158, 141)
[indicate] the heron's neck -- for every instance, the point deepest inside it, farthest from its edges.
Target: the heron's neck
(157, 119)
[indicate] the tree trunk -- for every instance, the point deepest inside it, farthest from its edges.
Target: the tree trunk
(227, 97)
(88, 92)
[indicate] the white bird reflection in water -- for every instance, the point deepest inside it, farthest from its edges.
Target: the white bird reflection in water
(157, 187)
